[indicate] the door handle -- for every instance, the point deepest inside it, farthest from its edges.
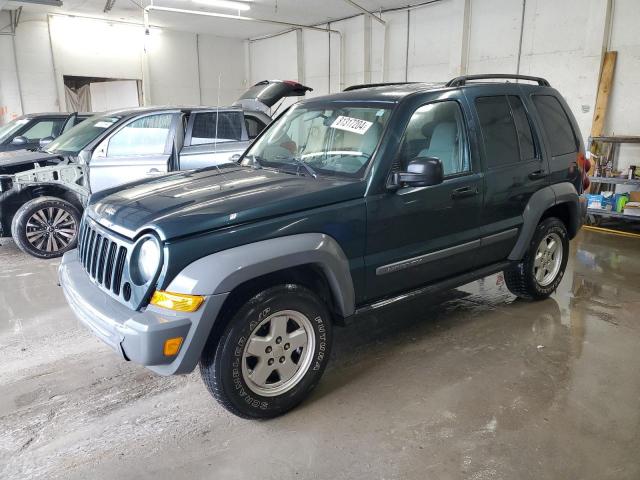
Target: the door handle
(464, 192)
(154, 171)
(537, 174)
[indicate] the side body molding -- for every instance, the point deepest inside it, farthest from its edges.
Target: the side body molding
(542, 200)
(221, 272)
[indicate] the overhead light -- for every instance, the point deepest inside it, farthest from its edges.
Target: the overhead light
(230, 4)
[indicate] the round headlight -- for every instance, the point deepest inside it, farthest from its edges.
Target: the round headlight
(148, 259)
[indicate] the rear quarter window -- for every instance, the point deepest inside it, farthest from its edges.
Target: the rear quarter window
(556, 124)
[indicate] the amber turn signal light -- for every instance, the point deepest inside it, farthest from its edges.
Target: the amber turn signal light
(179, 302)
(172, 346)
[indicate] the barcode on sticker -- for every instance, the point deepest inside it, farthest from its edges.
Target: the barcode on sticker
(350, 124)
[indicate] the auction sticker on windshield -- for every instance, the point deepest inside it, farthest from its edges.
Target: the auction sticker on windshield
(351, 124)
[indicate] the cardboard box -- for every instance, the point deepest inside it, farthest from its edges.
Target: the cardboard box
(634, 196)
(632, 208)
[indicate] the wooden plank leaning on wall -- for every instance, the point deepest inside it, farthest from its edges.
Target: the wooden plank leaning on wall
(602, 101)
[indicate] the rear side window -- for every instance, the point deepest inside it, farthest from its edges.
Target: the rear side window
(254, 127)
(556, 125)
(225, 126)
(525, 138)
(498, 131)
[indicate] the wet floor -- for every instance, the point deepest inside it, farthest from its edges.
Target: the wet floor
(470, 385)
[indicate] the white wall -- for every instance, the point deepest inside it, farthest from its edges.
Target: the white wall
(35, 65)
(10, 104)
(221, 59)
(174, 77)
(179, 68)
(562, 41)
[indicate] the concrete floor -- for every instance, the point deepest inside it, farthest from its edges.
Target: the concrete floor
(471, 385)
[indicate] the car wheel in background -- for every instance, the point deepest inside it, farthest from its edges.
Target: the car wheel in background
(46, 227)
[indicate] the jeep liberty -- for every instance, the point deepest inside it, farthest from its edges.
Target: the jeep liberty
(344, 204)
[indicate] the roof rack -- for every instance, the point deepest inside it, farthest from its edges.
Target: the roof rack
(371, 85)
(460, 81)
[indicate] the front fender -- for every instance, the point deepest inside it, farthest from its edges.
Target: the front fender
(223, 271)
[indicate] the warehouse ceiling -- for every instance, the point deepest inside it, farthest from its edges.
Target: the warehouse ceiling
(307, 12)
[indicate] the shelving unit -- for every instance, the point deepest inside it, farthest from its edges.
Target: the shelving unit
(614, 143)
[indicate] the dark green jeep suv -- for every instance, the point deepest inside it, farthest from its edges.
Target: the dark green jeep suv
(344, 204)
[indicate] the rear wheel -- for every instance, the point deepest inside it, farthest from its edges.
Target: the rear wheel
(272, 353)
(46, 227)
(541, 271)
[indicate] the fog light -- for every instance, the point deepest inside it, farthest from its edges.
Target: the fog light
(180, 302)
(172, 346)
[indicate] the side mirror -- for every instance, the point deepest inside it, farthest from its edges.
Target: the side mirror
(45, 141)
(19, 140)
(421, 172)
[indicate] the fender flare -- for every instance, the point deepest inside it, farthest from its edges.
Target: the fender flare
(540, 202)
(223, 271)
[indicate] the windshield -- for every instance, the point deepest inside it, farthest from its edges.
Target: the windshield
(75, 139)
(7, 130)
(331, 140)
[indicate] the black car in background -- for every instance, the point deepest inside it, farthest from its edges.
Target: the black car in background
(27, 131)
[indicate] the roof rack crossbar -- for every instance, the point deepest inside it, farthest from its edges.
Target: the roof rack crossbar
(460, 81)
(371, 85)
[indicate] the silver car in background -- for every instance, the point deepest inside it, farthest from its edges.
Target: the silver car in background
(43, 193)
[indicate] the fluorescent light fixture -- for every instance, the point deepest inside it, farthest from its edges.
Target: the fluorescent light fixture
(230, 4)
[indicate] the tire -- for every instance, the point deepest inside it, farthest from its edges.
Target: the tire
(234, 375)
(540, 272)
(46, 227)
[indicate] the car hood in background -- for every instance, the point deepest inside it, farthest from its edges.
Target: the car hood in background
(191, 202)
(17, 158)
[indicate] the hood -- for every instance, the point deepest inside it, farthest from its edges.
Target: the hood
(10, 162)
(190, 202)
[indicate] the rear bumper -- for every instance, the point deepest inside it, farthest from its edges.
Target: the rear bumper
(138, 336)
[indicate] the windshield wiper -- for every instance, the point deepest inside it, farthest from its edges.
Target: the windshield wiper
(302, 164)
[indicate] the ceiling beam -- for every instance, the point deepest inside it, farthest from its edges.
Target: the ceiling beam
(365, 11)
(150, 8)
(52, 3)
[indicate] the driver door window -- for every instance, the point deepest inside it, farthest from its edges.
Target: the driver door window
(436, 130)
(144, 136)
(141, 149)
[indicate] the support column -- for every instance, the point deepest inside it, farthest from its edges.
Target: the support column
(460, 38)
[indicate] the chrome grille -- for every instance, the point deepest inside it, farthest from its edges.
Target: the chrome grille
(103, 257)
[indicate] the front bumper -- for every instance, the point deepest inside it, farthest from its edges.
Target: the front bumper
(138, 336)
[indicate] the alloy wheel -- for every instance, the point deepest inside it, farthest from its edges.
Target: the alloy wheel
(51, 229)
(278, 353)
(548, 259)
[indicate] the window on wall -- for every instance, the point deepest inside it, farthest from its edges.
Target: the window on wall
(498, 131)
(144, 136)
(556, 125)
(436, 130)
(223, 126)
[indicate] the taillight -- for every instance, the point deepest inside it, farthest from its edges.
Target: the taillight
(584, 164)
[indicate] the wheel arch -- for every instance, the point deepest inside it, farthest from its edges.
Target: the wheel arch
(560, 200)
(12, 200)
(315, 260)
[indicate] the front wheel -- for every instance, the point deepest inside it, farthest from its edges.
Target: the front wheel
(272, 353)
(46, 227)
(540, 272)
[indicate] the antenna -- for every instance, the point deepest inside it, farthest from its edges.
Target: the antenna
(215, 145)
(215, 142)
